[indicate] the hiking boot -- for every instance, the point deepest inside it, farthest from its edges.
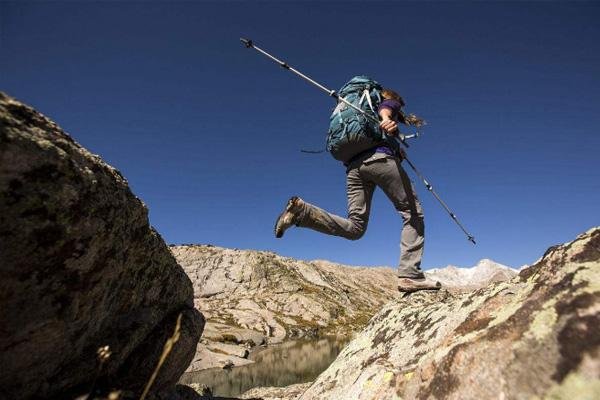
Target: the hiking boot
(408, 285)
(290, 216)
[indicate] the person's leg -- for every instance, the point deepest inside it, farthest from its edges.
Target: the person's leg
(393, 180)
(360, 193)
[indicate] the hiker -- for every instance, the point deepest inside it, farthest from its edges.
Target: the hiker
(378, 165)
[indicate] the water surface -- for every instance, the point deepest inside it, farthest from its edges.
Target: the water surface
(281, 365)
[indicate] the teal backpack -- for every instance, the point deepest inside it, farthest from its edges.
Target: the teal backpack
(351, 132)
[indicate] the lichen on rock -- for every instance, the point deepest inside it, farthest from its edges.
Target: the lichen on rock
(535, 336)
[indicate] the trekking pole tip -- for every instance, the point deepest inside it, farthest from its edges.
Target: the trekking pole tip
(247, 42)
(471, 239)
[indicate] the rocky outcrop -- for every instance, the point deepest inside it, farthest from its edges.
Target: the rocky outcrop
(276, 393)
(80, 268)
(535, 336)
(254, 297)
(479, 276)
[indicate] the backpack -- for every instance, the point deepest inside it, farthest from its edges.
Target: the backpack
(351, 132)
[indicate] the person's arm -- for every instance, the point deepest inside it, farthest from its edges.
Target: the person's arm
(389, 126)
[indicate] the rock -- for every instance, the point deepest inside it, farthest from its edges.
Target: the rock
(228, 364)
(222, 343)
(143, 360)
(183, 392)
(205, 358)
(80, 268)
(230, 334)
(201, 389)
(229, 349)
(291, 392)
(535, 336)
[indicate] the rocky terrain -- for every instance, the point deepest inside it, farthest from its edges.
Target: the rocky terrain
(80, 269)
(254, 297)
(533, 337)
(277, 393)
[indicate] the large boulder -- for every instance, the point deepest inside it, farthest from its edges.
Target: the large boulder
(80, 268)
(535, 336)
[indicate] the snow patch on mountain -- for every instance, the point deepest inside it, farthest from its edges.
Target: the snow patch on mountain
(483, 273)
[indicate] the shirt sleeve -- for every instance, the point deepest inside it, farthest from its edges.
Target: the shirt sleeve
(392, 105)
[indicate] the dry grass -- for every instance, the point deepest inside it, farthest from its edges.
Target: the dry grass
(166, 350)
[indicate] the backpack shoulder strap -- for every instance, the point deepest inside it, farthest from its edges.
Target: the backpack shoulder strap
(368, 96)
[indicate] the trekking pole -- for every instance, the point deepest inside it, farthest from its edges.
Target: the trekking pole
(249, 44)
(400, 138)
(470, 238)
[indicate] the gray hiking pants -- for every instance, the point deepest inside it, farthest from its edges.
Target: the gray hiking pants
(362, 177)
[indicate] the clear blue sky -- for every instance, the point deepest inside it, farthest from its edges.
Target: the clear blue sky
(208, 133)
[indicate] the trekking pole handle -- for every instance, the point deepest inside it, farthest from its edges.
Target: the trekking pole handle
(414, 135)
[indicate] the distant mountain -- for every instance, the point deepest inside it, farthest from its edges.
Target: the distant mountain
(482, 274)
(253, 297)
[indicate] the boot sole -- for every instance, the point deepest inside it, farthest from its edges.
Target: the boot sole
(407, 287)
(412, 290)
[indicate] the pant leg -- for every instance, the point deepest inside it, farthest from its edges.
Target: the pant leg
(395, 183)
(360, 194)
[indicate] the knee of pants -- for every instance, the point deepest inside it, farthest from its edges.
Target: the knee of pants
(412, 216)
(417, 222)
(408, 208)
(356, 233)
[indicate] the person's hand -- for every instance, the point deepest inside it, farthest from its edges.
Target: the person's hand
(389, 126)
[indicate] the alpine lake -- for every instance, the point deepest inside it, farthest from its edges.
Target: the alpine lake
(279, 365)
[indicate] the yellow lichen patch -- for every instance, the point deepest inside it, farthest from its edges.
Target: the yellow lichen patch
(543, 323)
(408, 376)
(575, 386)
(503, 313)
(501, 287)
(388, 376)
(590, 275)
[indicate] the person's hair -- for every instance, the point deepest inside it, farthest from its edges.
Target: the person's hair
(410, 119)
(390, 94)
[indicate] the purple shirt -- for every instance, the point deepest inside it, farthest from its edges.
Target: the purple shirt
(393, 105)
